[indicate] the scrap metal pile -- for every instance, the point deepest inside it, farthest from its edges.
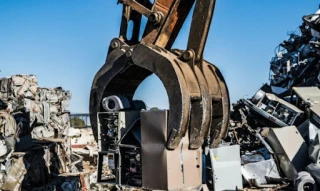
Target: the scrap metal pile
(35, 152)
(272, 143)
(278, 129)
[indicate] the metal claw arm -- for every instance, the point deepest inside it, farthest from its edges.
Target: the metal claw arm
(200, 26)
(166, 18)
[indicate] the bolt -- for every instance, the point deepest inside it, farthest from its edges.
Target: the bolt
(156, 17)
(187, 55)
(128, 53)
(114, 44)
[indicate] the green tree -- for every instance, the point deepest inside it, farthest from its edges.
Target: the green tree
(77, 122)
(154, 109)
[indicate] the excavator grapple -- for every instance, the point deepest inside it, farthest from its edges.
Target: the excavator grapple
(197, 93)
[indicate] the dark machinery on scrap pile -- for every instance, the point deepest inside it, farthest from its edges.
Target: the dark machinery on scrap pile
(159, 150)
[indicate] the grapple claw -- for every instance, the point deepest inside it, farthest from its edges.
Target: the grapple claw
(197, 93)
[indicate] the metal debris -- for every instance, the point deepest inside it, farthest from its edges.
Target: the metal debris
(290, 149)
(258, 171)
(35, 151)
(283, 118)
(15, 174)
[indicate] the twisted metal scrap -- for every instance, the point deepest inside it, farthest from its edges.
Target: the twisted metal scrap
(198, 95)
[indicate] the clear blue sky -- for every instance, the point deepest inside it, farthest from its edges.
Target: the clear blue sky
(64, 42)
